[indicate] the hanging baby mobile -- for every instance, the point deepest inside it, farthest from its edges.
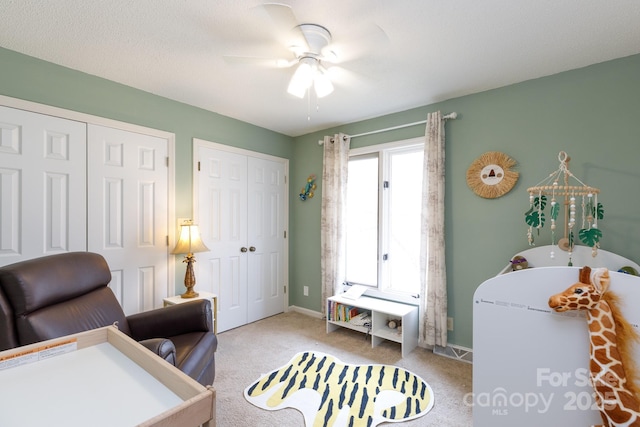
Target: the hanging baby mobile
(309, 187)
(563, 189)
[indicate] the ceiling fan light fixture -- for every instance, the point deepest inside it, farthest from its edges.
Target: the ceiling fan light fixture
(296, 90)
(303, 77)
(322, 84)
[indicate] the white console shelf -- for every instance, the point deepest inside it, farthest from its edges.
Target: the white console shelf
(381, 312)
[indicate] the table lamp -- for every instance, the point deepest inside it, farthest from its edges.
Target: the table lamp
(189, 243)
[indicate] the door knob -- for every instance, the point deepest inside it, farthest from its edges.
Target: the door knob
(252, 248)
(243, 249)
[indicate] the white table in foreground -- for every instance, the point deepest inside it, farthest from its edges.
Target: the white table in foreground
(99, 378)
(201, 295)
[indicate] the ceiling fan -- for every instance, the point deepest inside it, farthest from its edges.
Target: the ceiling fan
(311, 49)
(309, 59)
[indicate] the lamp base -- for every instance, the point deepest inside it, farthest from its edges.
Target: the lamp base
(190, 294)
(189, 277)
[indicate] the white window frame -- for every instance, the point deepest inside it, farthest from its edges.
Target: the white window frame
(383, 174)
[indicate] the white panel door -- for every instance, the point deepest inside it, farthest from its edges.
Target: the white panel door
(240, 208)
(266, 188)
(128, 211)
(222, 197)
(42, 185)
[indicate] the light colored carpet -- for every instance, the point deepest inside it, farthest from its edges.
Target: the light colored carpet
(245, 353)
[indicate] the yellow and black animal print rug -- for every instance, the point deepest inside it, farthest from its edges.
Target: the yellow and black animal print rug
(331, 393)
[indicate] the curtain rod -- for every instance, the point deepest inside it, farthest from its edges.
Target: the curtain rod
(450, 116)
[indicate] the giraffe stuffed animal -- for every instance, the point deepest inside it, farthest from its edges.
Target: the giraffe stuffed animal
(612, 368)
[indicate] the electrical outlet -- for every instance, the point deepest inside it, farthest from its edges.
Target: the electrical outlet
(449, 323)
(305, 291)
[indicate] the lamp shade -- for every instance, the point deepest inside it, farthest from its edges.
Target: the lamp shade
(321, 83)
(190, 241)
(302, 78)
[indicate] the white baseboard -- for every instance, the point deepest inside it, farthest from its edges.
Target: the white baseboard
(306, 311)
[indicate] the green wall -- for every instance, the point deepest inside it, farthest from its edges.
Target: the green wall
(591, 113)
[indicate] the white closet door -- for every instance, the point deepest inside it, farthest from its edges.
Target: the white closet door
(222, 200)
(128, 211)
(266, 239)
(241, 210)
(42, 185)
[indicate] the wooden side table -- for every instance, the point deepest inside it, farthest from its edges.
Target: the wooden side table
(202, 295)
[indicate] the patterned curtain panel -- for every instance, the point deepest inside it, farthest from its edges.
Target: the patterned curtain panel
(332, 222)
(433, 286)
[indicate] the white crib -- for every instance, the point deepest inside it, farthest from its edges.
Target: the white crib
(530, 363)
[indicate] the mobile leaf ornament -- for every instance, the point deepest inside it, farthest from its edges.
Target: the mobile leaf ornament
(562, 189)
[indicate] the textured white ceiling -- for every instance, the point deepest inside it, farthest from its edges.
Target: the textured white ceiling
(395, 55)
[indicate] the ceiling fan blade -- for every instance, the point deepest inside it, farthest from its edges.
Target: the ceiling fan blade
(285, 20)
(366, 40)
(349, 78)
(255, 60)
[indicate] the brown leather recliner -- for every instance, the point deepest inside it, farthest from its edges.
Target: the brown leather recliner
(58, 295)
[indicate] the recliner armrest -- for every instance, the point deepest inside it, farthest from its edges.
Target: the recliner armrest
(162, 347)
(178, 319)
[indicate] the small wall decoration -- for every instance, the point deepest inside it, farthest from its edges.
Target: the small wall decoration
(309, 188)
(490, 175)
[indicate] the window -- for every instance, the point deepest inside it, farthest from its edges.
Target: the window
(383, 218)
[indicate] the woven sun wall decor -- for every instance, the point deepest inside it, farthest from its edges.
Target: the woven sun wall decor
(490, 175)
(562, 189)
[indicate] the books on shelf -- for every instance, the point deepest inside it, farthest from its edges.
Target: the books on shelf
(363, 319)
(338, 312)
